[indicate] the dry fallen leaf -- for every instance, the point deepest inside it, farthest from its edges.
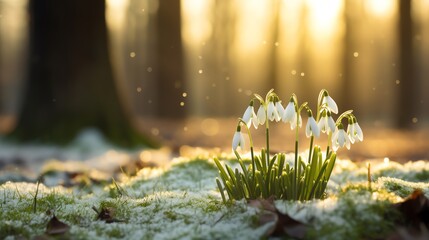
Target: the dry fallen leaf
(56, 227)
(414, 221)
(283, 223)
(415, 208)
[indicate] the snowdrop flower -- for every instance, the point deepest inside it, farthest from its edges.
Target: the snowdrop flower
(312, 129)
(330, 103)
(289, 112)
(249, 116)
(272, 111)
(354, 131)
(255, 120)
(326, 122)
(261, 115)
(280, 110)
(359, 132)
(340, 138)
(293, 123)
(238, 139)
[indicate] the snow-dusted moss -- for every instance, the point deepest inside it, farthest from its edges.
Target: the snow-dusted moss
(181, 201)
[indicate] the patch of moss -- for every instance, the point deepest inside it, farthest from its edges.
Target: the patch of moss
(170, 215)
(355, 218)
(422, 175)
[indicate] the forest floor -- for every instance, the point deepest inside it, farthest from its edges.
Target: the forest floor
(93, 190)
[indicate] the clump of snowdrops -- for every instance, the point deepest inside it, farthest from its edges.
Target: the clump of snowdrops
(271, 175)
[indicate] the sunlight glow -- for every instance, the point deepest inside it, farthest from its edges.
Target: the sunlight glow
(116, 11)
(196, 20)
(253, 24)
(380, 8)
(386, 161)
(210, 127)
(323, 16)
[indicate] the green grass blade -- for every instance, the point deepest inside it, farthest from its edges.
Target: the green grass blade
(219, 185)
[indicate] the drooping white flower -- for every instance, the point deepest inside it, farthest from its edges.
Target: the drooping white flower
(354, 131)
(340, 138)
(359, 133)
(323, 124)
(289, 112)
(330, 103)
(255, 120)
(238, 139)
(280, 110)
(326, 123)
(272, 111)
(331, 122)
(262, 117)
(293, 123)
(249, 116)
(351, 131)
(311, 128)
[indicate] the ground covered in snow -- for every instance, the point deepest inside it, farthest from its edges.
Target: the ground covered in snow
(180, 200)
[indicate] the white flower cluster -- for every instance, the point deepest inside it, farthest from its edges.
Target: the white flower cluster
(272, 110)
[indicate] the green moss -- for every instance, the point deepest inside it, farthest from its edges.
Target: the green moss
(53, 202)
(115, 232)
(422, 175)
(398, 189)
(170, 215)
(120, 208)
(213, 206)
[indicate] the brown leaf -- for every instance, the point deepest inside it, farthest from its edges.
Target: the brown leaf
(283, 223)
(415, 209)
(56, 227)
(264, 204)
(414, 220)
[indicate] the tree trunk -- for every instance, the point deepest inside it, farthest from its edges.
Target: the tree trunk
(408, 94)
(170, 60)
(70, 85)
(350, 37)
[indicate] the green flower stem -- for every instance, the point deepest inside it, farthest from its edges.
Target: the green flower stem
(295, 183)
(329, 144)
(311, 148)
(295, 168)
(267, 134)
(327, 152)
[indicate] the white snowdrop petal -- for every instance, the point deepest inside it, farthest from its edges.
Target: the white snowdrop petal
(341, 137)
(351, 132)
(331, 104)
(288, 114)
(359, 132)
(280, 110)
(331, 124)
(235, 140)
(314, 128)
(242, 143)
(255, 120)
(271, 111)
(347, 142)
(322, 124)
(247, 115)
(261, 115)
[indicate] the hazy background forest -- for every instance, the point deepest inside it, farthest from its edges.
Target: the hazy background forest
(372, 56)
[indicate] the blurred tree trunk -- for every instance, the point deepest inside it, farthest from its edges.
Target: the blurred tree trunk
(170, 60)
(273, 55)
(70, 85)
(351, 19)
(408, 92)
